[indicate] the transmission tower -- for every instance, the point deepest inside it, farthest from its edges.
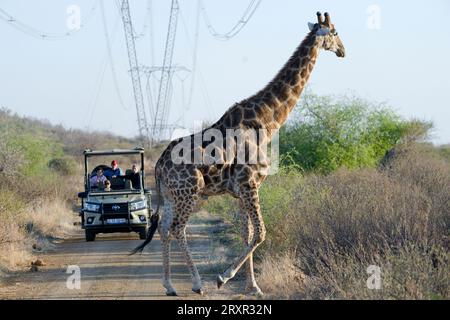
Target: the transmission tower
(151, 71)
(144, 131)
(160, 121)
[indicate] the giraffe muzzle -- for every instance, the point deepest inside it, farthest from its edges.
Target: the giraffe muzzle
(340, 53)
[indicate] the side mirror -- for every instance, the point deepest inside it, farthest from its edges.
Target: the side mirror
(82, 195)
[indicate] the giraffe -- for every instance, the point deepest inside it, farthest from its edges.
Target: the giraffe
(182, 185)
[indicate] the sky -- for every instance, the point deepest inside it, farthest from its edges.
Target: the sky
(397, 52)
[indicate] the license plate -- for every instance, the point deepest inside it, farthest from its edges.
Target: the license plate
(116, 221)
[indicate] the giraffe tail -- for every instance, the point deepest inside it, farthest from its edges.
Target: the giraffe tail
(153, 220)
(151, 231)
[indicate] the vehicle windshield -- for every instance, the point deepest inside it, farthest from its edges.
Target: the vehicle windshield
(114, 173)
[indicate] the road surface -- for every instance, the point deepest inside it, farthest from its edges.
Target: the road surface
(108, 272)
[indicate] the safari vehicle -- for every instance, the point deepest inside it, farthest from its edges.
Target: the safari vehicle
(125, 207)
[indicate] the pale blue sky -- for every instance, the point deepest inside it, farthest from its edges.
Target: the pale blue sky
(405, 63)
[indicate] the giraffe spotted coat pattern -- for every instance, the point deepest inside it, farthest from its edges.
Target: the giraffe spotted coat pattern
(182, 186)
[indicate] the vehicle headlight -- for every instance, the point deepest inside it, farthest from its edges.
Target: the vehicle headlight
(91, 207)
(138, 205)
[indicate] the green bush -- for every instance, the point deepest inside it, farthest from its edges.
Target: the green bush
(65, 165)
(37, 151)
(326, 133)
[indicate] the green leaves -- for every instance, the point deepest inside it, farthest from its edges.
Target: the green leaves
(36, 150)
(327, 133)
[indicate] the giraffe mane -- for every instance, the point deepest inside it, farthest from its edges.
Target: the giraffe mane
(305, 42)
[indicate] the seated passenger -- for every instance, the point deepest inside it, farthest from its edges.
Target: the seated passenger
(114, 172)
(98, 180)
(135, 177)
(107, 185)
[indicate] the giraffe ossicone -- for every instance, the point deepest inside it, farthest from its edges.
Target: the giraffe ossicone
(221, 163)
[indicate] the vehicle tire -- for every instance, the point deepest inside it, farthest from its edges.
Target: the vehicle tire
(90, 235)
(143, 233)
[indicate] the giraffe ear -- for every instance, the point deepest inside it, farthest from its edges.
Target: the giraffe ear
(323, 31)
(311, 26)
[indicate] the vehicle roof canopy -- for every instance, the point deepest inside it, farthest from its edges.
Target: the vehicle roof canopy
(89, 153)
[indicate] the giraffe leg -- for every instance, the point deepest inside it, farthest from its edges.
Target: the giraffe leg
(180, 234)
(247, 236)
(251, 206)
(164, 231)
(184, 207)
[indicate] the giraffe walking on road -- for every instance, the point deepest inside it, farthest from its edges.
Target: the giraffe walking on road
(231, 157)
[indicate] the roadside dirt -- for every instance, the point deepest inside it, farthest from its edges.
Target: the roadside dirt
(108, 272)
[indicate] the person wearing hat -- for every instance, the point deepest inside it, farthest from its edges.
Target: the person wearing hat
(114, 172)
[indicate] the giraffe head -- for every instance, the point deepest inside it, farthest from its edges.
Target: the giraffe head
(326, 32)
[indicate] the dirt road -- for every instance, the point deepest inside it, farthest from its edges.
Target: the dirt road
(108, 272)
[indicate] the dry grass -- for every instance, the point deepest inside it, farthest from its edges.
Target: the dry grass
(280, 278)
(34, 226)
(15, 256)
(331, 228)
(52, 219)
(14, 250)
(396, 218)
(33, 210)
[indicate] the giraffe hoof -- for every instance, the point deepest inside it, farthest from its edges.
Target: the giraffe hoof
(199, 291)
(220, 281)
(171, 294)
(256, 292)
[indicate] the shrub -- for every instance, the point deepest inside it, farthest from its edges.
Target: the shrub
(331, 228)
(327, 132)
(36, 150)
(11, 160)
(444, 151)
(65, 165)
(338, 225)
(11, 229)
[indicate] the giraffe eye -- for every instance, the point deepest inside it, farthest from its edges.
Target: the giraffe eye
(334, 33)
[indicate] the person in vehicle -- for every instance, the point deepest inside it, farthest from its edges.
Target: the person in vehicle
(135, 177)
(114, 172)
(107, 185)
(98, 180)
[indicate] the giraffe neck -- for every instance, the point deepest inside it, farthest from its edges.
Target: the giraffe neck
(281, 95)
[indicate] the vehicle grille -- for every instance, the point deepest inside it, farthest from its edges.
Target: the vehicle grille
(116, 216)
(115, 207)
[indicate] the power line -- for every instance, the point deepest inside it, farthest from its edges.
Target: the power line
(40, 34)
(138, 35)
(150, 17)
(94, 99)
(150, 84)
(134, 70)
(194, 53)
(164, 93)
(110, 56)
(183, 99)
(240, 24)
(149, 95)
(101, 75)
(147, 21)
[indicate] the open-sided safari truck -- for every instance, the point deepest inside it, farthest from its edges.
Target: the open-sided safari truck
(126, 206)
